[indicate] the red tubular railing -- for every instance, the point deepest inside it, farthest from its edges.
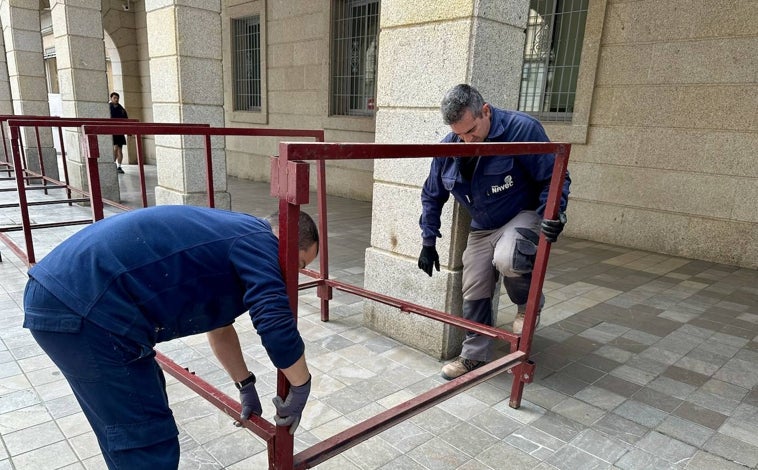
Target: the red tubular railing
(518, 360)
(290, 184)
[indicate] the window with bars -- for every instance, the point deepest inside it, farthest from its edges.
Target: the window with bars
(554, 36)
(354, 57)
(246, 63)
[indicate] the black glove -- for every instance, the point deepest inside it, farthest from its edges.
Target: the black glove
(289, 411)
(428, 258)
(553, 228)
(251, 404)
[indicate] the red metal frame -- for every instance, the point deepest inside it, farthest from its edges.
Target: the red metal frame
(289, 183)
(18, 165)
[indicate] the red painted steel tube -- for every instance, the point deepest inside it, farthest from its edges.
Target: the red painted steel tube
(92, 154)
(228, 405)
(352, 151)
(24, 206)
(209, 171)
(397, 414)
(538, 275)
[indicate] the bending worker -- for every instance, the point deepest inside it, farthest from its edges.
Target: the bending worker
(505, 196)
(100, 301)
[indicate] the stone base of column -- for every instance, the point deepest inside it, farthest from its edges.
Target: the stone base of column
(77, 174)
(49, 159)
(167, 196)
(429, 336)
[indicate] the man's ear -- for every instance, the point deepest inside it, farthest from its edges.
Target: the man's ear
(486, 110)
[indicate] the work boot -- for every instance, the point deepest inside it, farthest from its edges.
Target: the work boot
(459, 367)
(518, 322)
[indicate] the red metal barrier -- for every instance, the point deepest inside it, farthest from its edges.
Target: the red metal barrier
(289, 183)
(518, 361)
(17, 164)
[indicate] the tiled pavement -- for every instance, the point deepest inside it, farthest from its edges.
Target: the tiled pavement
(643, 361)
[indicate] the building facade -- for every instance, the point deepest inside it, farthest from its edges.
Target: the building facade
(657, 98)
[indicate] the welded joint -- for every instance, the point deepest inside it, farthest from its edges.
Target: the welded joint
(525, 372)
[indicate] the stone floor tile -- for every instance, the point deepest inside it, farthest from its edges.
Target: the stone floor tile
(501, 452)
(582, 372)
(402, 463)
(569, 458)
(732, 449)
(640, 413)
(637, 459)
(665, 447)
(618, 386)
(578, 411)
(657, 399)
(686, 431)
(600, 397)
(672, 387)
(495, 423)
(372, 453)
(707, 461)
(739, 372)
(686, 376)
(698, 414)
(563, 383)
(437, 454)
(534, 442)
(559, 426)
(468, 439)
(620, 428)
(633, 375)
(601, 446)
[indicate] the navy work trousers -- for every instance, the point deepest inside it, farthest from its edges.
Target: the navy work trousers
(117, 382)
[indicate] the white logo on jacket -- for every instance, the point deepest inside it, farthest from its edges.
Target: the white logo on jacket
(507, 183)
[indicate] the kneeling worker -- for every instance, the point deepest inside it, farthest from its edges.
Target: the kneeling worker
(101, 300)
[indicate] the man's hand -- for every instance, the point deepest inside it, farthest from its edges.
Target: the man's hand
(289, 411)
(553, 228)
(428, 259)
(251, 404)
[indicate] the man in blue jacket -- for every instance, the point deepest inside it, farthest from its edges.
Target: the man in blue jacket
(505, 196)
(100, 301)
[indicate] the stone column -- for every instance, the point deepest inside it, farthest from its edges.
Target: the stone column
(79, 48)
(26, 74)
(423, 51)
(6, 102)
(186, 80)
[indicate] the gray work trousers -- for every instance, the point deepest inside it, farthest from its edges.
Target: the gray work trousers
(488, 255)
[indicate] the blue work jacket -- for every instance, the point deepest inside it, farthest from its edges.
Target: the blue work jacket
(500, 186)
(165, 272)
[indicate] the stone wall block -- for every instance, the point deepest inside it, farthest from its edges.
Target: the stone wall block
(26, 64)
(162, 30)
(401, 278)
(396, 12)
(399, 232)
(191, 44)
(82, 23)
(412, 127)
(201, 81)
(163, 79)
(23, 40)
(495, 43)
(426, 58)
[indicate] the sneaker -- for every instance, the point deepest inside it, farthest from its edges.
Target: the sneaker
(119, 170)
(518, 323)
(459, 367)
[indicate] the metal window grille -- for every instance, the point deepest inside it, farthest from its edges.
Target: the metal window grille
(354, 57)
(554, 36)
(246, 51)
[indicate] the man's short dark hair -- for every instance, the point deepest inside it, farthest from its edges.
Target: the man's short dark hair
(307, 233)
(114, 94)
(459, 99)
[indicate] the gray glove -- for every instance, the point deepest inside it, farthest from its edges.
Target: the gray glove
(428, 259)
(553, 228)
(251, 404)
(289, 411)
